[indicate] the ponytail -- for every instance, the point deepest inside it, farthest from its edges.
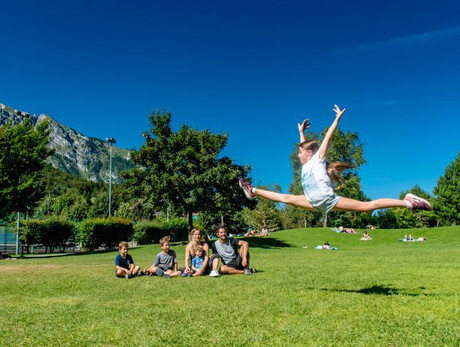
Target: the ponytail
(334, 171)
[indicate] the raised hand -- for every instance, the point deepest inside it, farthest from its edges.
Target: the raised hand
(338, 111)
(304, 125)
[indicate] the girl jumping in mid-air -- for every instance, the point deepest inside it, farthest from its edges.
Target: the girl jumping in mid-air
(316, 181)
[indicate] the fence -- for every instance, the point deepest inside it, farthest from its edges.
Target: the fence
(7, 239)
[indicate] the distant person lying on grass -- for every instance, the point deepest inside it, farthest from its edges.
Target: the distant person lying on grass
(347, 230)
(408, 238)
(124, 263)
(227, 250)
(165, 263)
(326, 246)
(366, 236)
(411, 239)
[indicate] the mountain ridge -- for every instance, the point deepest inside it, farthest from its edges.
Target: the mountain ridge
(75, 153)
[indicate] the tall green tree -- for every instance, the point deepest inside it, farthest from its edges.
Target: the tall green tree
(23, 151)
(184, 169)
(345, 147)
(403, 218)
(447, 191)
(73, 198)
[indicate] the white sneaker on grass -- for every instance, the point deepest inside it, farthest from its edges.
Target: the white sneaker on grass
(214, 273)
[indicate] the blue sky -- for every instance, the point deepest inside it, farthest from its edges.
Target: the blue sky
(251, 69)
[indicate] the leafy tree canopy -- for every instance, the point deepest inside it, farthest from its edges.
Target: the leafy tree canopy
(447, 191)
(184, 169)
(23, 151)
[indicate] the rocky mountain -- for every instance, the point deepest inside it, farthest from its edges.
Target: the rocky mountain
(76, 153)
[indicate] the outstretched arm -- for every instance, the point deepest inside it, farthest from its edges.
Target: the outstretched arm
(302, 127)
(325, 144)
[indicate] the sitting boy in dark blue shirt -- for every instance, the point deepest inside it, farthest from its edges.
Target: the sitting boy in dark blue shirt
(124, 263)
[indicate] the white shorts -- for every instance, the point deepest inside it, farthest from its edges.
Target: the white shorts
(325, 205)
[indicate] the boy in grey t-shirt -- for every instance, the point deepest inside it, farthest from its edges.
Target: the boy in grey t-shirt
(165, 263)
(234, 262)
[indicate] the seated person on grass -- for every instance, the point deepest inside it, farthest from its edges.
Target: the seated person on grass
(165, 263)
(226, 249)
(264, 232)
(366, 237)
(195, 239)
(197, 262)
(124, 263)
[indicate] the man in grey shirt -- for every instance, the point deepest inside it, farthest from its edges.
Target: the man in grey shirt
(226, 249)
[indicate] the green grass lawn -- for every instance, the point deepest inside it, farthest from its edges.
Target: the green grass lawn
(379, 292)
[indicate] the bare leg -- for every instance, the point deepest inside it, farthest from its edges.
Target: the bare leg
(151, 269)
(121, 273)
(230, 271)
(173, 273)
(215, 263)
(295, 200)
(347, 204)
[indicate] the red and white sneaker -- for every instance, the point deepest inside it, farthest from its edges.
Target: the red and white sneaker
(417, 203)
(247, 189)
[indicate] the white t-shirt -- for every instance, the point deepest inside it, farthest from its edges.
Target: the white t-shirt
(317, 185)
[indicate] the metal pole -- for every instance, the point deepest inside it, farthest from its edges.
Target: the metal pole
(111, 142)
(17, 235)
(110, 182)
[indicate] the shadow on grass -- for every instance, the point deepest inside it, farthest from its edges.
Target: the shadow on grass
(265, 242)
(376, 290)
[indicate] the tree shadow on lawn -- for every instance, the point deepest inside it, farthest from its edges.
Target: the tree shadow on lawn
(265, 242)
(377, 290)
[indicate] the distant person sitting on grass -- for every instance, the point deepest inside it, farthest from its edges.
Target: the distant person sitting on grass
(198, 262)
(124, 263)
(226, 249)
(366, 236)
(264, 232)
(165, 263)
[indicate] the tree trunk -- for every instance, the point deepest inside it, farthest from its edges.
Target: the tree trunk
(222, 219)
(325, 221)
(190, 219)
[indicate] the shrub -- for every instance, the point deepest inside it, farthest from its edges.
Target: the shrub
(106, 232)
(50, 232)
(147, 232)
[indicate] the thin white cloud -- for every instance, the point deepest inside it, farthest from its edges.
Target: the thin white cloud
(406, 40)
(387, 102)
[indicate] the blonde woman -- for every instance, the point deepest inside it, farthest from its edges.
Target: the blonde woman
(195, 238)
